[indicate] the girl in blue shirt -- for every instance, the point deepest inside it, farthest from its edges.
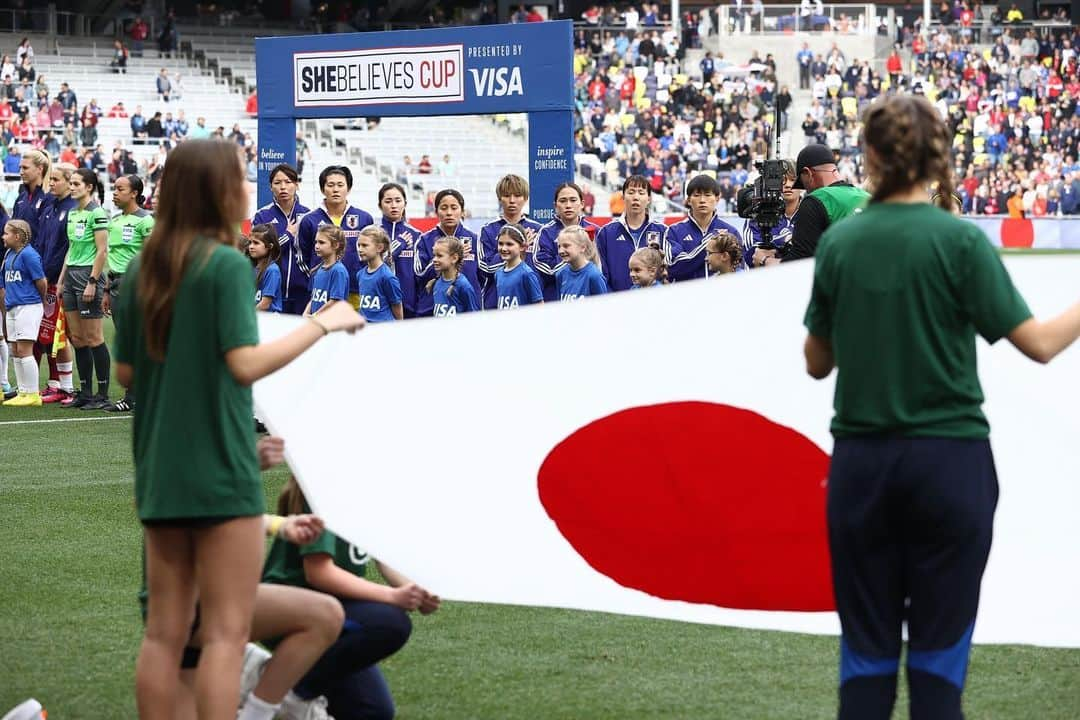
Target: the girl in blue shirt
(515, 282)
(449, 208)
(265, 250)
(24, 297)
(647, 268)
(453, 293)
(331, 281)
(380, 291)
(580, 275)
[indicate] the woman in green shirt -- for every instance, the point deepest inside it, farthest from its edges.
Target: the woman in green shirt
(187, 341)
(900, 292)
(82, 287)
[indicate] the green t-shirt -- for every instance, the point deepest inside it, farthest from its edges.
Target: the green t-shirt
(126, 236)
(192, 438)
(285, 563)
(81, 226)
(840, 201)
(901, 291)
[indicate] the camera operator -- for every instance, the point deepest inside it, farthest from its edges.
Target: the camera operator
(753, 255)
(828, 201)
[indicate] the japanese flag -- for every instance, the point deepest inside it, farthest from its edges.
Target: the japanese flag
(660, 452)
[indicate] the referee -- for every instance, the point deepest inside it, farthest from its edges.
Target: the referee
(900, 292)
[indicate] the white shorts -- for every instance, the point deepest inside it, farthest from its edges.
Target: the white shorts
(24, 321)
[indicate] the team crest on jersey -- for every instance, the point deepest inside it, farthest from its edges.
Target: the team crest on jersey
(352, 221)
(652, 237)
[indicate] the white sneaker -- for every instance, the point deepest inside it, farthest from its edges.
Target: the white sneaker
(255, 659)
(293, 708)
(27, 710)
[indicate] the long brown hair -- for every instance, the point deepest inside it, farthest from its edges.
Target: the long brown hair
(267, 235)
(911, 144)
(200, 184)
(291, 500)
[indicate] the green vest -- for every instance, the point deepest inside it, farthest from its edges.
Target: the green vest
(841, 200)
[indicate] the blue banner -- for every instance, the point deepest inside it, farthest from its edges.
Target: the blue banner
(490, 69)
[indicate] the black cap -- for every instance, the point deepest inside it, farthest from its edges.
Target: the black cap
(809, 157)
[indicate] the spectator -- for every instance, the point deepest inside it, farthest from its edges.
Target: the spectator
(118, 110)
(588, 200)
(181, 124)
(303, 153)
(41, 86)
(168, 38)
(237, 135)
(120, 57)
(68, 99)
(26, 71)
(177, 87)
(424, 167)
(24, 51)
(200, 131)
(154, 128)
(7, 68)
(251, 107)
(168, 125)
(164, 85)
(1014, 15)
(804, 57)
(138, 33)
(446, 167)
(138, 123)
(56, 114)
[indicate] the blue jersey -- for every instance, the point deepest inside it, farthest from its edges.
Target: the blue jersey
(269, 287)
(751, 236)
(685, 248)
(425, 271)
(22, 268)
(330, 283)
(575, 284)
(352, 222)
(379, 290)
(295, 272)
(52, 227)
(460, 299)
(29, 207)
(617, 241)
(544, 257)
(487, 255)
(404, 239)
(520, 286)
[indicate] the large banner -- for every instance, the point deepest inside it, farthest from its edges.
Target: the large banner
(660, 452)
(520, 68)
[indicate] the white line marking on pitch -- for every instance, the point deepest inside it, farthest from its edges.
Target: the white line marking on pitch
(60, 420)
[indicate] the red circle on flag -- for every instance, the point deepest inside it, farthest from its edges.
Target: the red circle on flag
(1017, 233)
(694, 501)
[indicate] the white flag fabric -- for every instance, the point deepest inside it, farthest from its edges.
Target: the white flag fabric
(660, 453)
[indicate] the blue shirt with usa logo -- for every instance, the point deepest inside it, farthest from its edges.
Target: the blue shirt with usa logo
(330, 283)
(575, 284)
(520, 286)
(22, 268)
(352, 222)
(379, 290)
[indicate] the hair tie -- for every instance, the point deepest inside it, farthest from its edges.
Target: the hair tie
(519, 233)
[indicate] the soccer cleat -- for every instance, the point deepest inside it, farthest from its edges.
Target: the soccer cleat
(255, 659)
(293, 708)
(121, 405)
(96, 403)
(53, 395)
(75, 401)
(25, 400)
(10, 392)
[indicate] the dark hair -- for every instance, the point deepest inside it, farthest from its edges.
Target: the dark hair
(637, 181)
(89, 178)
(449, 191)
(335, 170)
(393, 186)
(136, 184)
(288, 170)
(573, 186)
(268, 236)
(703, 184)
(209, 170)
(911, 144)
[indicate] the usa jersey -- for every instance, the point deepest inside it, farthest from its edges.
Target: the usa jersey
(520, 286)
(751, 236)
(270, 287)
(487, 255)
(295, 271)
(425, 271)
(685, 247)
(544, 257)
(461, 300)
(330, 283)
(22, 269)
(352, 222)
(404, 240)
(29, 206)
(617, 241)
(575, 284)
(379, 290)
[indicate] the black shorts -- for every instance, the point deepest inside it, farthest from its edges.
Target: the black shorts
(75, 284)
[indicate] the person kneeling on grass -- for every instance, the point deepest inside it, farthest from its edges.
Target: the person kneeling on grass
(376, 623)
(22, 293)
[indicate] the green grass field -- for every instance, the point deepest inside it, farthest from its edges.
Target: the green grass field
(70, 627)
